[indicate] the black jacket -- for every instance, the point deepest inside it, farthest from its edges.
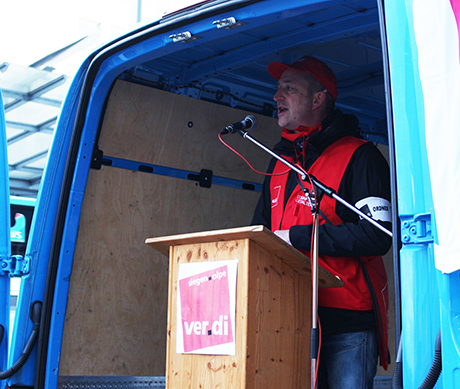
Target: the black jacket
(367, 175)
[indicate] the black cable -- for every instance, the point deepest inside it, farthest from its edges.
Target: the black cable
(430, 381)
(35, 313)
(432, 377)
(377, 314)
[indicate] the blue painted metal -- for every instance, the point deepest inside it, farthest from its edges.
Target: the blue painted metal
(5, 243)
(179, 173)
(417, 228)
(449, 287)
(42, 231)
(334, 27)
(420, 291)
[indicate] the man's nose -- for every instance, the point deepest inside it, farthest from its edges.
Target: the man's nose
(278, 95)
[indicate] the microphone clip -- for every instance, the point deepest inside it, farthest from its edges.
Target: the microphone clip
(249, 123)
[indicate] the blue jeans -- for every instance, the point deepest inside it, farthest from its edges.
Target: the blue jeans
(348, 361)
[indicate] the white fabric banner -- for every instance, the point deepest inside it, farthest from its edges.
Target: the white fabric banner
(437, 38)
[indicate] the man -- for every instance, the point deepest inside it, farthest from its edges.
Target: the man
(325, 142)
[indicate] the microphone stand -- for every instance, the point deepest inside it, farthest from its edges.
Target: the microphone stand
(314, 181)
(315, 200)
(319, 190)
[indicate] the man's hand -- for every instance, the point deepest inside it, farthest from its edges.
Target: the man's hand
(284, 234)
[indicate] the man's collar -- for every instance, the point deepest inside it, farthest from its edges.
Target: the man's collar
(301, 131)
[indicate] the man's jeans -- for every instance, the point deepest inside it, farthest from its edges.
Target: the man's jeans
(348, 361)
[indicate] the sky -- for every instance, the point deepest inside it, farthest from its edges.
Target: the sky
(32, 29)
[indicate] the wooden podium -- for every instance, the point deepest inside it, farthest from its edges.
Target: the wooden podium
(273, 311)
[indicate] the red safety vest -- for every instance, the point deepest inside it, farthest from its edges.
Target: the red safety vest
(356, 294)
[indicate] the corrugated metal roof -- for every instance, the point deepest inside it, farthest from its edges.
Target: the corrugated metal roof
(32, 100)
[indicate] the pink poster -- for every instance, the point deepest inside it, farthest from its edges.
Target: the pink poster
(206, 307)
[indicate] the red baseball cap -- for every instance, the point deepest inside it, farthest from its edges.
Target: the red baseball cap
(315, 67)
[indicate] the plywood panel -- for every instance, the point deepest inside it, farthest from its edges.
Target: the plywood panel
(279, 324)
(180, 132)
(116, 316)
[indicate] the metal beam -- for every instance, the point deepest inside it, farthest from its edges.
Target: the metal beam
(22, 164)
(352, 24)
(45, 88)
(27, 169)
(35, 95)
(29, 129)
(21, 99)
(23, 187)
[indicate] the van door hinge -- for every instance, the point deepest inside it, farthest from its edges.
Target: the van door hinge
(416, 228)
(16, 266)
(184, 37)
(228, 23)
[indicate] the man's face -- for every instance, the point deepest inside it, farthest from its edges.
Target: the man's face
(294, 100)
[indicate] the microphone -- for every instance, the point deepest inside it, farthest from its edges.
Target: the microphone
(249, 123)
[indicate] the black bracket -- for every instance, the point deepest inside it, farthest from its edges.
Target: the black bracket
(96, 161)
(205, 178)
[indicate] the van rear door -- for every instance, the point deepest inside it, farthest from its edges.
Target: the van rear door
(5, 245)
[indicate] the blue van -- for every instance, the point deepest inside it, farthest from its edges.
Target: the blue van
(136, 154)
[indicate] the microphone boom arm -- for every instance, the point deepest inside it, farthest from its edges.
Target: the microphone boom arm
(304, 177)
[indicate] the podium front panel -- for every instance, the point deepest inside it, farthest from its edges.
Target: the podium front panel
(273, 322)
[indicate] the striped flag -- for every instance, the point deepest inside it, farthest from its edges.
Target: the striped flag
(437, 32)
(456, 9)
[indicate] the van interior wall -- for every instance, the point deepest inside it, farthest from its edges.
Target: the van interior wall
(117, 305)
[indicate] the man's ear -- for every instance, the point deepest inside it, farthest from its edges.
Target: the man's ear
(319, 99)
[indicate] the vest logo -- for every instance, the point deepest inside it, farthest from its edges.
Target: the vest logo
(303, 200)
(276, 191)
(300, 201)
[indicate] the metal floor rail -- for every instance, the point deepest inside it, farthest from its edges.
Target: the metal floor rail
(121, 382)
